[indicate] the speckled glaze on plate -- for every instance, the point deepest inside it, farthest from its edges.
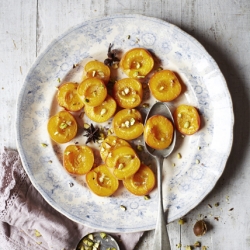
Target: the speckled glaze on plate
(204, 154)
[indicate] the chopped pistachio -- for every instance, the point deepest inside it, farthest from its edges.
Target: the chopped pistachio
(136, 73)
(187, 124)
(59, 79)
(146, 197)
(44, 145)
(86, 100)
(128, 36)
(188, 248)
(173, 164)
(139, 147)
(126, 91)
(181, 221)
(121, 166)
(86, 125)
(103, 235)
(159, 69)
(91, 237)
(115, 65)
(103, 111)
(37, 233)
(216, 204)
(161, 88)
(127, 124)
(179, 156)
(137, 65)
(132, 121)
(145, 105)
(199, 148)
(140, 76)
(63, 125)
(197, 161)
(101, 74)
(197, 244)
(123, 208)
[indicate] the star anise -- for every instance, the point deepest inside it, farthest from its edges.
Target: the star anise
(93, 133)
(112, 56)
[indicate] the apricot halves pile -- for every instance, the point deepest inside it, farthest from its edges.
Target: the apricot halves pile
(120, 161)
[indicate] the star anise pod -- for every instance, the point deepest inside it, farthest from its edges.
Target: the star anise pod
(93, 133)
(112, 56)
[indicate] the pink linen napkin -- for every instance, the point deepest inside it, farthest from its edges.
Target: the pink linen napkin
(27, 221)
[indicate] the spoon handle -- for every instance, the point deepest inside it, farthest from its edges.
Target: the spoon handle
(161, 239)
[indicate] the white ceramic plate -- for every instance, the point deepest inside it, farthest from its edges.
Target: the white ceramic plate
(204, 154)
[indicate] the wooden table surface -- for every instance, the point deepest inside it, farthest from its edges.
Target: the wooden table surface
(221, 26)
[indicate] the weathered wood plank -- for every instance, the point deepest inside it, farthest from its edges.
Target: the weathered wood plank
(18, 51)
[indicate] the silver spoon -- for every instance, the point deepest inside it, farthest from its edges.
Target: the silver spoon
(161, 239)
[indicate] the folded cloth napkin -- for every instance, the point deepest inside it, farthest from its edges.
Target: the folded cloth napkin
(28, 222)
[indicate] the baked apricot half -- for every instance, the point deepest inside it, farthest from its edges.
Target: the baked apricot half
(128, 92)
(92, 91)
(187, 119)
(101, 181)
(158, 132)
(137, 63)
(142, 182)
(62, 127)
(78, 159)
(110, 143)
(97, 69)
(127, 124)
(102, 112)
(124, 162)
(165, 86)
(68, 98)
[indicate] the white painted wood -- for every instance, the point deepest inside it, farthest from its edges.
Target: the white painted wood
(222, 26)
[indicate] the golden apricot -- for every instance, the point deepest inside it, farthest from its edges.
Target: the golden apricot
(101, 181)
(62, 127)
(68, 98)
(110, 143)
(165, 86)
(124, 162)
(137, 63)
(142, 182)
(78, 159)
(97, 69)
(187, 119)
(158, 132)
(127, 124)
(102, 112)
(128, 92)
(92, 91)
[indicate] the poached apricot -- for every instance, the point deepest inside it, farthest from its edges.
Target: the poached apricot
(187, 119)
(92, 91)
(97, 69)
(62, 127)
(78, 159)
(165, 86)
(68, 98)
(102, 112)
(137, 63)
(124, 162)
(101, 181)
(128, 92)
(142, 182)
(127, 124)
(158, 132)
(110, 143)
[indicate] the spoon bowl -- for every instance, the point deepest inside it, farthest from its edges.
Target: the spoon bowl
(161, 239)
